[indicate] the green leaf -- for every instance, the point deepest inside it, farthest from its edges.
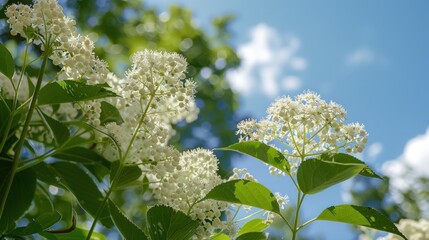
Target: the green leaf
(346, 158)
(315, 175)
(47, 174)
(128, 229)
(221, 236)
(20, 195)
(358, 215)
(82, 155)
(71, 91)
(254, 225)
(164, 223)
(60, 131)
(84, 188)
(78, 233)
(7, 65)
(42, 201)
(263, 152)
(44, 221)
(5, 114)
(245, 192)
(109, 113)
(252, 236)
(128, 174)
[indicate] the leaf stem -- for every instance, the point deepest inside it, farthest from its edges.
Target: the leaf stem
(25, 128)
(306, 223)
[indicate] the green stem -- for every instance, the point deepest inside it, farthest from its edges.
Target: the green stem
(21, 140)
(121, 164)
(298, 208)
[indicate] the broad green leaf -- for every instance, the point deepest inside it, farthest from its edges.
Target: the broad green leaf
(252, 236)
(245, 192)
(315, 175)
(263, 152)
(358, 215)
(254, 225)
(82, 155)
(164, 223)
(47, 174)
(71, 91)
(221, 236)
(128, 229)
(84, 189)
(48, 219)
(109, 113)
(42, 201)
(128, 174)
(346, 158)
(78, 233)
(60, 131)
(7, 65)
(44, 221)
(20, 195)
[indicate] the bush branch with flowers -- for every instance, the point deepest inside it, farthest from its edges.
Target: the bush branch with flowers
(92, 133)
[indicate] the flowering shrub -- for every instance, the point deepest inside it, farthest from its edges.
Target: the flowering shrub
(86, 125)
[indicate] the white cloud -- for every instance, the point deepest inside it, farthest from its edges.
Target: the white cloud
(414, 159)
(374, 150)
(360, 56)
(264, 59)
(291, 83)
(407, 168)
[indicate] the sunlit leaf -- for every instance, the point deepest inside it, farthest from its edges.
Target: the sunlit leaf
(252, 236)
(346, 158)
(254, 225)
(263, 152)
(315, 175)
(245, 192)
(71, 91)
(221, 236)
(361, 216)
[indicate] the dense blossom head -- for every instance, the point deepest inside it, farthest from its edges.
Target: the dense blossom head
(194, 177)
(45, 24)
(153, 95)
(306, 126)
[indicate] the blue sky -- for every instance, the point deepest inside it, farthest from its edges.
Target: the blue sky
(369, 56)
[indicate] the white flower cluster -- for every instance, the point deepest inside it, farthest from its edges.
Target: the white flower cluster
(195, 176)
(153, 95)
(412, 229)
(45, 24)
(306, 126)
